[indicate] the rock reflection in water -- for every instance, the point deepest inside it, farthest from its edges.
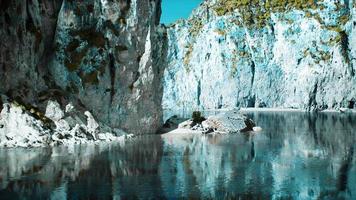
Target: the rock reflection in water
(297, 155)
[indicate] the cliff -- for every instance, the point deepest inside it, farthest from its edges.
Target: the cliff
(117, 68)
(100, 56)
(277, 54)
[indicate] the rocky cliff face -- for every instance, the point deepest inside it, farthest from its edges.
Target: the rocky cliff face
(102, 56)
(107, 58)
(286, 54)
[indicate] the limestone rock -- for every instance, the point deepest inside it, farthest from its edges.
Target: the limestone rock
(226, 122)
(102, 56)
(186, 124)
(54, 111)
(259, 54)
(19, 127)
(232, 121)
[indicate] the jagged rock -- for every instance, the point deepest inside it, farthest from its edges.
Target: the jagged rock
(225, 122)
(62, 125)
(92, 125)
(69, 108)
(186, 125)
(102, 56)
(54, 111)
(20, 128)
(122, 85)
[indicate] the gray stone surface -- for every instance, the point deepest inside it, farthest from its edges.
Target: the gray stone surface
(20, 127)
(106, 57)
(232, 121)
(295, 56)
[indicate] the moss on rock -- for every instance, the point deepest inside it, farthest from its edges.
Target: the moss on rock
(257, 13)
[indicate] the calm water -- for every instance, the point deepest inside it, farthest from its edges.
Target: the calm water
(296, 156)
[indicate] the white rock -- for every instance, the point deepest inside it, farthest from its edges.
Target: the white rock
(290, 64)
(227, 122)
(92, 125)
(69, 108)
(103, 136)
(18, 128)
(21, 129)
(62, 125)
(257, 129)
(54, 111)
(186, 124)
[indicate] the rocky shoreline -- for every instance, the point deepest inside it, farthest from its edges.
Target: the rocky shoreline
(25, 126)
(21, 126)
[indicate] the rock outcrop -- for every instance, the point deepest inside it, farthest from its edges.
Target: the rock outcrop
(277, 54)
(109, 57)
(232, 121)
(106, 57)
(24, 126)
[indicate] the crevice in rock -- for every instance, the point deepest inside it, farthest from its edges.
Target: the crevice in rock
(5, 4)
(253, 71)
(312, 97)
(136, 77)
(299, 61)
(344, 42)
(220, 102)
(198, 92)
(272, 29)
(251, 101)
(1, 107)
(7, 19)
(158, 12)
(112, 76)
(30, 25)
(124, 8)
(352, 103)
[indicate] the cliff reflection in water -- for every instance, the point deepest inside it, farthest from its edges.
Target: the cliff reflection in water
(297, 155)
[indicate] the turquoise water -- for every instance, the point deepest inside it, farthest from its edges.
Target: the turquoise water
(296, 156)
(172, 10)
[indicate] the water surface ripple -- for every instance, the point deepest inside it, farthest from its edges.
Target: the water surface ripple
(296, 156)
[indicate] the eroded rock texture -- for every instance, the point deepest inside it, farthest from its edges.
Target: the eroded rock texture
(285, 54)
(102, 56)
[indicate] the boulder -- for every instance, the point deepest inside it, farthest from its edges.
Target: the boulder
(54, 111)
(21, 127)
(226, 122)
(186, 124)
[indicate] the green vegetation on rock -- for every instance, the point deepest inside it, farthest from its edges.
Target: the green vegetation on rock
(257, 13)
(196, 25)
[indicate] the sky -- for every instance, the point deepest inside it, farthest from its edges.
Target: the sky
(173, 10)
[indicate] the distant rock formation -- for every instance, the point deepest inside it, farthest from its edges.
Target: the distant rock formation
(276, 54)
(232, 121)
